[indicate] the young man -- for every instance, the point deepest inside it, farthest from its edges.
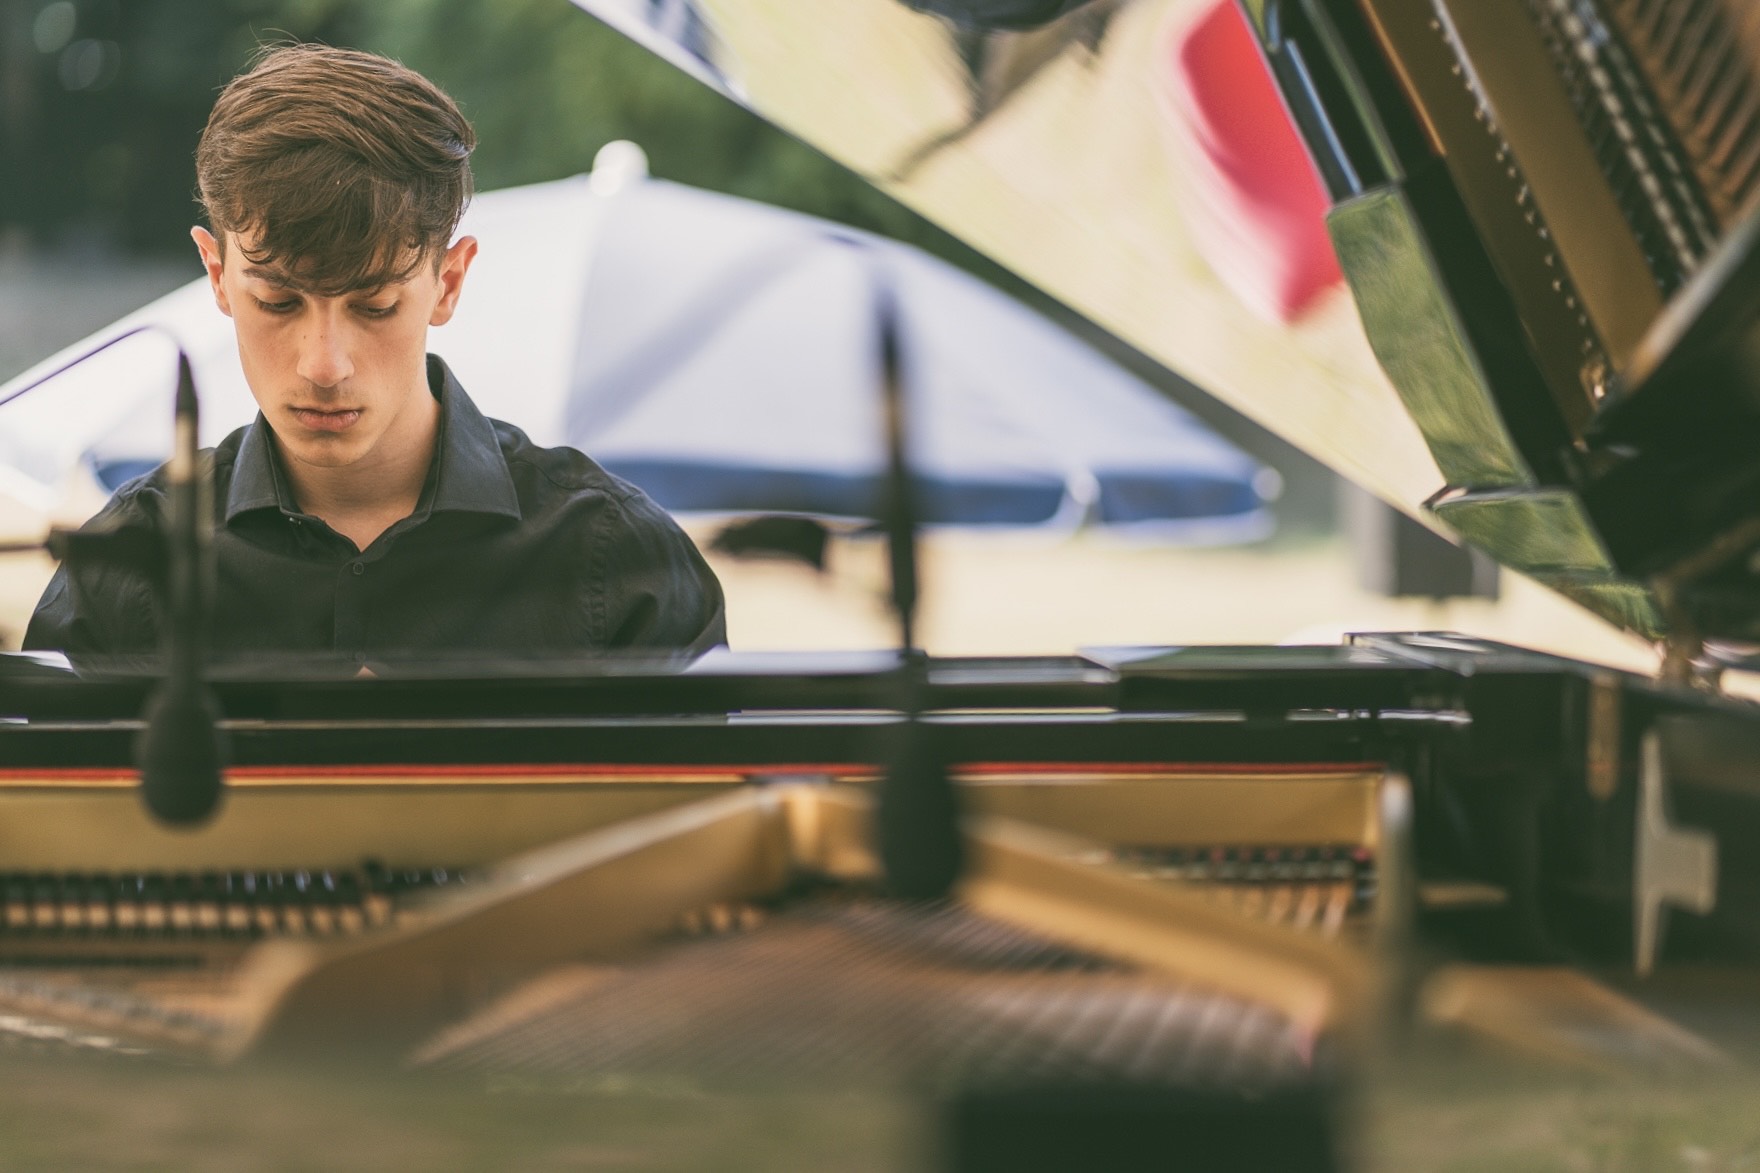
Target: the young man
(371, 511)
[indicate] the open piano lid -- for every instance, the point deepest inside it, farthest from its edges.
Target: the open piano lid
(1540, 207)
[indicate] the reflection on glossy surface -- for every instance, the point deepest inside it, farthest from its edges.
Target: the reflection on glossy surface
(1494, 502)
(1545, 533)
(1076, 154)
(1073, 178)
(1419, 340)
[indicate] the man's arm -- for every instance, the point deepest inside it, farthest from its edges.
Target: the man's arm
(93, 613)
(102, 609)
(658, 592)
(56, 623)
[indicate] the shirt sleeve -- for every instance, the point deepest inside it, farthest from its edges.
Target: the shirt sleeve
(659, 593)
(102, 610)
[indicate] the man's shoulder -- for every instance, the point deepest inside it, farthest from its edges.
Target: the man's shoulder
(562, 470)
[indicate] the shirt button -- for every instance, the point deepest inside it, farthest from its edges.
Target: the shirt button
(359, 567)
(360, 657)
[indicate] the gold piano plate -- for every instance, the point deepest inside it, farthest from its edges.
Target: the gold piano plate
(570, 868)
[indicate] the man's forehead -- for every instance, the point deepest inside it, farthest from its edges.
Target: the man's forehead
(275, 272)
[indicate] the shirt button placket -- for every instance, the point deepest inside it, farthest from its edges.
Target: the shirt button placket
(351, 627)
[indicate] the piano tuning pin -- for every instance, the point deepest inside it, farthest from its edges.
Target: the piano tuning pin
(1307, 907)
(720, 918)
(691, 923)
(180, 905)
(99, 916)
(205, 904)
(325, 901)
(1337, 904)
(376, 908)
(237, 920)
(44, 905)
(71, 910)
(124, 910)
(17, 902)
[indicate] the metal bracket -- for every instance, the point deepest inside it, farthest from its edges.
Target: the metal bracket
(1601, 757)
(1673, 866)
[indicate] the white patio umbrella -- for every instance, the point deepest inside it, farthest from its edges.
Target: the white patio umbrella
(720, 353)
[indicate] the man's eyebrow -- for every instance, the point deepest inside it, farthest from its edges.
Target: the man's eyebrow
(273, 277)
(282, 281)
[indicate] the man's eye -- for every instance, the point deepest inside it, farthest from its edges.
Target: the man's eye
(376, 311)
(276, 307)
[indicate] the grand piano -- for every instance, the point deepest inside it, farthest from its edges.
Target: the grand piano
(1123, 907)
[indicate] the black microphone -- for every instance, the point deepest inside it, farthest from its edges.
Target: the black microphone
(181, 750)
(921, 847)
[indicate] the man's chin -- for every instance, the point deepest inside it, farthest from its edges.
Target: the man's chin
(320, 451)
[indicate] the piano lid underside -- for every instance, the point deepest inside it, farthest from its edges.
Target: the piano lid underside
(1591, 161)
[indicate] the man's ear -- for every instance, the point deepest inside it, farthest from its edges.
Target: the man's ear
(454, 263)
(211, 261)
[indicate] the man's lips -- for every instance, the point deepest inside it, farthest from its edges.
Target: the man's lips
(320, 420)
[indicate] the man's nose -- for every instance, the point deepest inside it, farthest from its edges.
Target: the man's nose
(323, 353)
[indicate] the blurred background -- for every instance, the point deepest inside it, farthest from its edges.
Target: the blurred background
(101, 103)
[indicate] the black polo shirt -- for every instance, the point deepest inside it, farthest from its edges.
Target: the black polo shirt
(512, 549)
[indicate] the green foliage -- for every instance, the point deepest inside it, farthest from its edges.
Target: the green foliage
(545, 84)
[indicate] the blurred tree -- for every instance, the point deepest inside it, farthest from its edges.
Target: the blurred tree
(103, 102)
(546, 87)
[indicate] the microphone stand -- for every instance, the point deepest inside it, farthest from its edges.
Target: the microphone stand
(180, 751)
(921, 848)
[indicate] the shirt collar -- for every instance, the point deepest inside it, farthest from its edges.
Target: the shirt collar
(469, 474)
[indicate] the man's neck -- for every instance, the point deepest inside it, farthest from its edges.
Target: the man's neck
(362, 500)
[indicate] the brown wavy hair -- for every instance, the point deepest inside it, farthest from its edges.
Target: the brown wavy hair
(347, 170)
